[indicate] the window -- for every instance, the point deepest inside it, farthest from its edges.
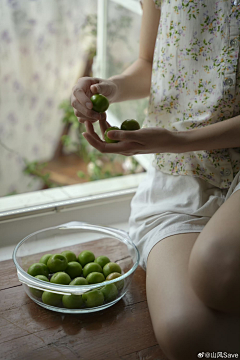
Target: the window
(113, 16)
(107, 201)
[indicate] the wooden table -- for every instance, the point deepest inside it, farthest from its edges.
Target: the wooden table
(30, 332)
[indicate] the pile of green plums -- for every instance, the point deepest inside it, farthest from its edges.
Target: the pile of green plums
(67, 269)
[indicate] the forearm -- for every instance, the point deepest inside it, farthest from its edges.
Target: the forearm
(224, 134)
(135, 82)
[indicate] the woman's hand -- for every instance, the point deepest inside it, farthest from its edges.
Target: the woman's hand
(82, 92)
(222, 135)
(144, 141)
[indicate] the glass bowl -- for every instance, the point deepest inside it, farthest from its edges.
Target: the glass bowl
(76, 236)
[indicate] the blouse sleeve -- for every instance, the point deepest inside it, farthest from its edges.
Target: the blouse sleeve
(157, 3)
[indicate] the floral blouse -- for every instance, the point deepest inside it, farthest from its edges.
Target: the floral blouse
(196, 82)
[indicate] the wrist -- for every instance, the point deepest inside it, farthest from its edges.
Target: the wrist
(116, 80)
(221, 135)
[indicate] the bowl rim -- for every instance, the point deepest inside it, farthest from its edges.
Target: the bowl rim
(31, 281)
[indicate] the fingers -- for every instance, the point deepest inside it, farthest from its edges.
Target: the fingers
(82, 111)
(104, 125)
(81, 97)
(82, 118)
(102, 87)
(82, 91)
(90, 130)
(126, 148)
(123, 135)
(81, 100)
(95, 89)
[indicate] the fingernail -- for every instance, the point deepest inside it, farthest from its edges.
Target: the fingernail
(96, 88)
(89, 105)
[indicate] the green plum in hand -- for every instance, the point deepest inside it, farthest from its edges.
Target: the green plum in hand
(106, 138)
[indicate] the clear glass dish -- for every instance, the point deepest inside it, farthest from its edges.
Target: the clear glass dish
(76, 236)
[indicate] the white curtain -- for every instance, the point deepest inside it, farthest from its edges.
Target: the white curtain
(42, 48)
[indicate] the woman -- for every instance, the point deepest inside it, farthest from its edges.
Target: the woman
(185, 215)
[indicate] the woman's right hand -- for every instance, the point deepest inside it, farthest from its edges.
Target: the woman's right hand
(82, 92)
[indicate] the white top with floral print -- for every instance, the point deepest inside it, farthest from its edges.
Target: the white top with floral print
(196, 82)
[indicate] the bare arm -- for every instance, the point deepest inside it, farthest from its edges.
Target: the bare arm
(224, 134)
(152, 140)
(135, 81)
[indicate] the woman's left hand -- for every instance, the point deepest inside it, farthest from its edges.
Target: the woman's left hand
(144, 141)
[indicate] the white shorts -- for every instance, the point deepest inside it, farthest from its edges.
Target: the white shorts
(166, 205)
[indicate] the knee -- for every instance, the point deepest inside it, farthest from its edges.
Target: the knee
(180, 335)
(214, 274)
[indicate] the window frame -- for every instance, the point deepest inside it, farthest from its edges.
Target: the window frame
(100, 61)
(25, 213)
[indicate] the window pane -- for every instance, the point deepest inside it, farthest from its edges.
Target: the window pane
(43, 50)
(123, 34)
(42, 53)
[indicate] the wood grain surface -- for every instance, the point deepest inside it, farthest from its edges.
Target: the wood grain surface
(30, 332)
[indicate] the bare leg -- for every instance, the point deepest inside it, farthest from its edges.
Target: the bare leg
(214, 266)
(183, 324)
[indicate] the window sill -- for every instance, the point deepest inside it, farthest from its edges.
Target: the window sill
(104, 202)
(43, 201)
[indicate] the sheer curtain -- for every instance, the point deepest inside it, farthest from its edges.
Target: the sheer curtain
(42, 48)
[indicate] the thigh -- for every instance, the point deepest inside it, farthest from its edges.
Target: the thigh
(182, 324)
(214, 265)
(224, 226)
